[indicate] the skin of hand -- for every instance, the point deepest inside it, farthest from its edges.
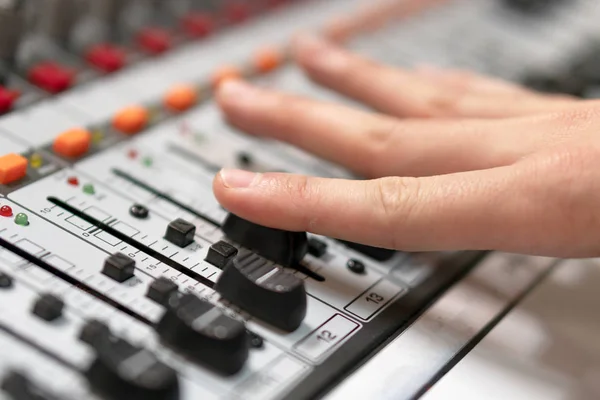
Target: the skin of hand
(450, 160)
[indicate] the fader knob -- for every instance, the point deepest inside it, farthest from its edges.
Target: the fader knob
(19, 387)
(202, 332)
(264, 290)
(122, 371)
(282, 247)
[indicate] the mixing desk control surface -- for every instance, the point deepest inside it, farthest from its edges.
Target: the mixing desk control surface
(121, 277)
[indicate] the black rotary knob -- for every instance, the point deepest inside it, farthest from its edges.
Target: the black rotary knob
(122, 371)
(20, 387)
(264, 290)
(203, 333)
(282, 247)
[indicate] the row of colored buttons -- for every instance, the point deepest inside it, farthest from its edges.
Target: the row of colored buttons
(108, 58)
(131, 120)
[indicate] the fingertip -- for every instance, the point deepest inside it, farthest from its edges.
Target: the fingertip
(219, 189)
(235, 94)
(232, 188)
(317, 53)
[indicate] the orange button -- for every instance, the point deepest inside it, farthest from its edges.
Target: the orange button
(181, 97)
(131, 120)
(224, 73)
(73, 143)
(266, 60)
(12, 168)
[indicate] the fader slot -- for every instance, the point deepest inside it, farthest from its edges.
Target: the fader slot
(164, 196)
(70, 280)
(132, 242)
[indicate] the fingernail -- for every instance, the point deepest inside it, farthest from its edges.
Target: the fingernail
(238, 179)
(320, 53)
(237, 91)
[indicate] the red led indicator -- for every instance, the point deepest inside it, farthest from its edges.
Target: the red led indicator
(133, 154)
(73, 181)
(198, 25)
(7, 99)
(6, 211)
(106, 57)
(154, 40)
(237, 12)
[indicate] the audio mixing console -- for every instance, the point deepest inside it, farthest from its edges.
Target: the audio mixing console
(121, 277)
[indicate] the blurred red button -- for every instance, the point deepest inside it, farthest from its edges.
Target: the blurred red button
(237, 12)
(198, 25)
(51, 77)
(106, 57)
(7, 99)
(154, 40)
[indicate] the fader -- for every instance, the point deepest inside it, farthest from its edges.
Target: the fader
(121, 277)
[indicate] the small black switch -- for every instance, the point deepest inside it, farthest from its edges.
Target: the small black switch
(245, 159)
(119, 267)
(6, 281)
(139, 211)
(180, 233)
(282, 247)
(264, 290)
(220, 253)
(316, 247)
(356, 266)
(48, 307)
(161, 290)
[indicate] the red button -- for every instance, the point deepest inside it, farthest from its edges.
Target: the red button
(7, 99)
(106, 57)
(154, 40)
(51, 77)
(198, 25)
(237, 12)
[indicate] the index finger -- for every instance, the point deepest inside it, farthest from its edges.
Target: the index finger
(496, 209)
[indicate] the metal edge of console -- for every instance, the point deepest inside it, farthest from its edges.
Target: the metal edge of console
(384, 328)
(373, 371)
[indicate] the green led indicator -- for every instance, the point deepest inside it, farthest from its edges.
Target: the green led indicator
(22, 219)
(147, 161)
(88, 188)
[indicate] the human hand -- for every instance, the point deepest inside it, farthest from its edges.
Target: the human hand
(454, 161)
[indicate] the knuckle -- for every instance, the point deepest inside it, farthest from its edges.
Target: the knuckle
(566, 161)
(378, 144)
(578, 116)
(449, 102)
(564, 183)
(397, 199)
